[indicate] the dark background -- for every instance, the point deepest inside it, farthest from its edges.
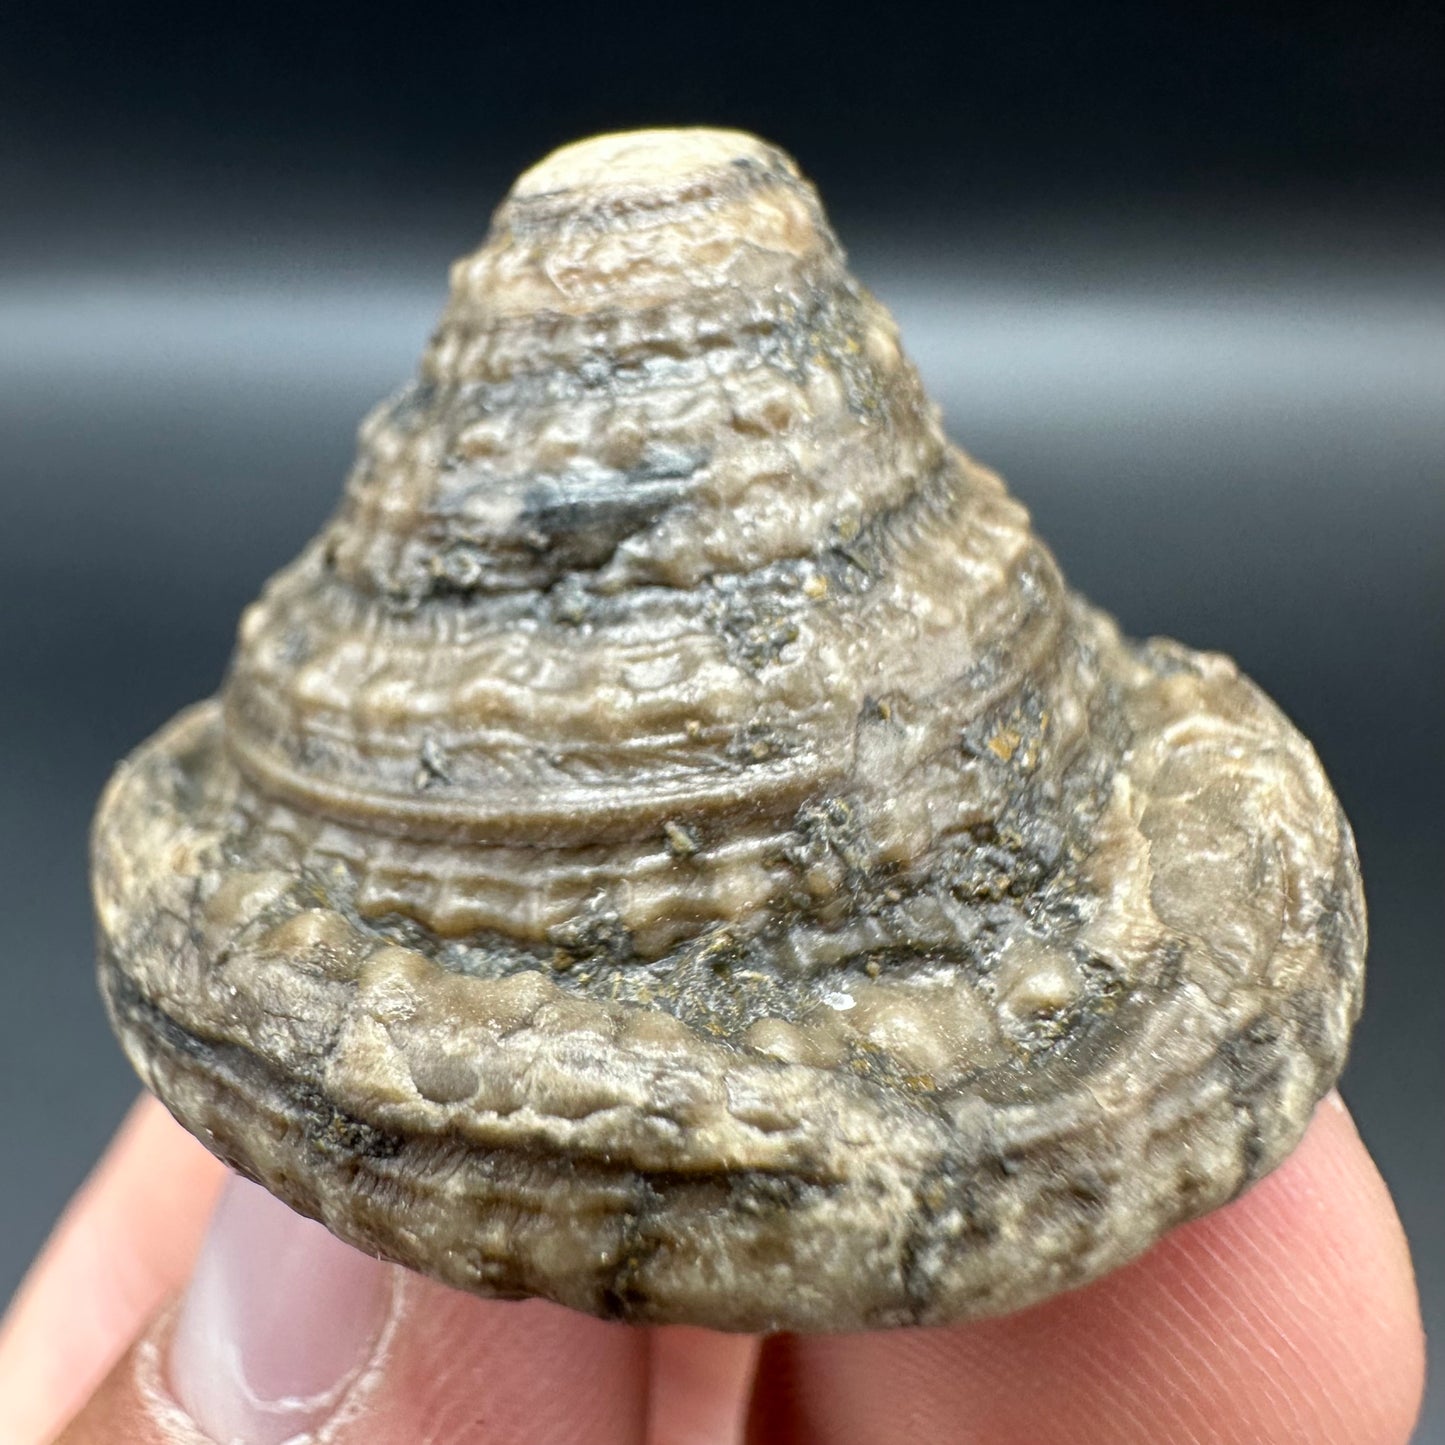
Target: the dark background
(1176, 270)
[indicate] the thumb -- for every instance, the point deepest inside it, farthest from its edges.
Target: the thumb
(285, 1332)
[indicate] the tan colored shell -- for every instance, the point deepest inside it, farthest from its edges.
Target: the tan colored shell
(672, 844)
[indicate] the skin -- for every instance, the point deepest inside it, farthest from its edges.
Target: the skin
(1289, 1316)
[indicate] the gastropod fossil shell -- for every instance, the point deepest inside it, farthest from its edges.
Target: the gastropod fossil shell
(674, 845)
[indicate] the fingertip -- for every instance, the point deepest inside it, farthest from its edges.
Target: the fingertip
(444, 1367)
(1333, 1283)
(278, 1320)
(526, 1371)
(1292, 1314)
(124, 1243)
(452, 1364)
(698, 1387)
(1289, 1316)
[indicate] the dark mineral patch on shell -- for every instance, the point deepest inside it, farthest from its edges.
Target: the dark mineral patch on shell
(673, 844)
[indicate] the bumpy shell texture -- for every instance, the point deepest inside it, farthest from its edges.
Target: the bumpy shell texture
(674, 845)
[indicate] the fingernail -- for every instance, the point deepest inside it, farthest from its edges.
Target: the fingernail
(278, 1320)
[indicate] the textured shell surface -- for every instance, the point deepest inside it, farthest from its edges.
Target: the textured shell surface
(674, 845)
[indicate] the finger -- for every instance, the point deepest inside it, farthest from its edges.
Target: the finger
(1290, 1316)
(124, 1244)
(699, 1382)
(285, 1332)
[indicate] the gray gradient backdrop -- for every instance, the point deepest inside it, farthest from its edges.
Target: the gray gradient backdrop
(1241, 450)
(1225, 407)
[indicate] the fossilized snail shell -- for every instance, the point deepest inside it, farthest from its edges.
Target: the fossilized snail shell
(673, 845)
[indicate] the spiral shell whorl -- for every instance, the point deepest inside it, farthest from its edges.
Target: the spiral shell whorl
(598, 579)
(650, 371)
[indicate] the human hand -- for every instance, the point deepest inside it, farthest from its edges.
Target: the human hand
(1289, 1316)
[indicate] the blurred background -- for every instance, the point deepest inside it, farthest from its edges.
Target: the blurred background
(1177, 271)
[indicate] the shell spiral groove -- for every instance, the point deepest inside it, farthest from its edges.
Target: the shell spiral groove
(673, 844)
